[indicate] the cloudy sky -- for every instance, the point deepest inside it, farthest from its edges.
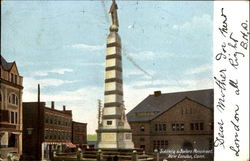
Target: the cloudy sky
(167, 46)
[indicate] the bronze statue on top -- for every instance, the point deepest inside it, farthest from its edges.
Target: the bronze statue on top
(113, 11)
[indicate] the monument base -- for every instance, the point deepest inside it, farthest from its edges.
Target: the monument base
(112, 140)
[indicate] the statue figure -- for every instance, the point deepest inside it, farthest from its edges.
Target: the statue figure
(114, 16)
(123, 115)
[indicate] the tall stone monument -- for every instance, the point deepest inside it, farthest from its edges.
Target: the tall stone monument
(114, 132)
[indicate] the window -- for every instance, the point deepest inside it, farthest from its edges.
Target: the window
(109, 122)
(182, 127)
(47, 120)
(156, 127)
(201, 126)
(154, 145)
(29, 131)
(15, 117)
(166, 143)
(160, 144)
(13, 99)
(160, 127)
(12, 117)
(164, 127)
(192, 126)
(12, 77)
(55, 121)
(142, 147)
(196, 126)
(0, 97)
(173, 127)
(142, 128)
(177, 127)
(46, 134)
(15, 79)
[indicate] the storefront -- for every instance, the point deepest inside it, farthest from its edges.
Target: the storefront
(49, 147)
(10, 143)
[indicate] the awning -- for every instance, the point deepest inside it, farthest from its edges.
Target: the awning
(53, 143)
(70, 145)
(16, 133)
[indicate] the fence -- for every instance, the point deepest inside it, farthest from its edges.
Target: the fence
(105, 156)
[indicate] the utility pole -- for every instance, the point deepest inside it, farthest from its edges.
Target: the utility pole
(38, 123)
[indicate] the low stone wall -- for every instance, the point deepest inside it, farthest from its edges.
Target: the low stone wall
(106, 156)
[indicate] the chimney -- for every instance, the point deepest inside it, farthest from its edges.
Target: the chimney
(38, 93)
(52, 104)
(157, 93)
(64, 108)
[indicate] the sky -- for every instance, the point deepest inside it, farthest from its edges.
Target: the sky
(167, 46)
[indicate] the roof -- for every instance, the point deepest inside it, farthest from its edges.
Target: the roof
(81, 123)
(6, 65)
(43, 104)
(159, 104)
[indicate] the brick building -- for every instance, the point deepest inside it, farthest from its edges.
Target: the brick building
(79, 133)
(182, 120)
(11, 90)
(45, 129)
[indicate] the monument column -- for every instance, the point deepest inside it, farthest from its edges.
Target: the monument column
(114, 131)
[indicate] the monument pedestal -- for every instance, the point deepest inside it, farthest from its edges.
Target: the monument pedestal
(113, 139)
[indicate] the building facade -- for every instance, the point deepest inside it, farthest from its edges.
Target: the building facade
(45, 129)
(79, 133)
(174, 121)
(11, 90)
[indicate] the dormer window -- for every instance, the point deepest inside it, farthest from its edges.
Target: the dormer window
(12, 77)
(15, 79)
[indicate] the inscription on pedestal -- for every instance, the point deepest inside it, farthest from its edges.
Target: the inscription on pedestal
(108, 137)
(128, 137)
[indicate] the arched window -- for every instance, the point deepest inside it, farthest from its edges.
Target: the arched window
(13, 99)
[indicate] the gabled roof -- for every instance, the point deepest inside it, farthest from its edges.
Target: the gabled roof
(6, 65)
(159, 104)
